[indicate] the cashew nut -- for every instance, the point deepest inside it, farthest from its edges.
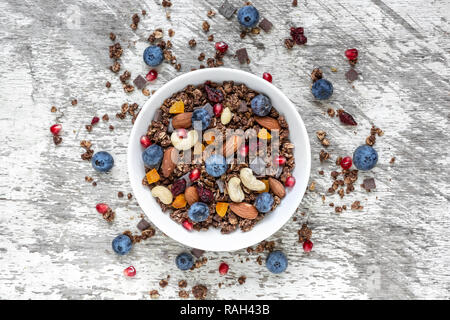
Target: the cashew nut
(163, 193)
(226, 116)
(184, 143)
(234, 190)
(250, 181)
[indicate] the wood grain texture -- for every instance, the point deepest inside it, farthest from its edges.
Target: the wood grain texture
(54, 245)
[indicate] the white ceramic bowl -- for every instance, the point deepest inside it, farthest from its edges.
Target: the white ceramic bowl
(213, 240)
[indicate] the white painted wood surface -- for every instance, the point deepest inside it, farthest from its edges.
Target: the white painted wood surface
(54, 245)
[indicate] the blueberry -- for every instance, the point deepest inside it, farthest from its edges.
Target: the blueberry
(248, 16)
(198, 212)
(264, 202)
(203, 116)
(261, 105)
(102, 161)
(122, 244)
(322, 89)
(216, 165)
(184, 261)
(276, 262)
(365, 157)
(152, 156)
(153, 56)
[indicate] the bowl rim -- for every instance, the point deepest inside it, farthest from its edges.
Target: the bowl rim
(167, 92)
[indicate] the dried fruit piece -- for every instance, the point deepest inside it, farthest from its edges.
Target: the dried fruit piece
(264, 134)
(266, 182)
(346, 118)
(152, 176)
(179, 202)
(214, 95)
(205, 195)
(178, 187)
(177, 107)
(209, 136)
(221, 208)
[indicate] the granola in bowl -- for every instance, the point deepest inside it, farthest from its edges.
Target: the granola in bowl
(220, 156)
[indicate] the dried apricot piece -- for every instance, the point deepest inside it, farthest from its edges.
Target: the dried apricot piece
(179, 202)
(209, 137)
(152, 176)
(264, 134)
(221, 208)
(177, 107)
(266, 182)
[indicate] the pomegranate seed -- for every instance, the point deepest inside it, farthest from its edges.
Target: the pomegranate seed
(55, 129)
(129, 272)
(221, 46)
(351, 54)
(218, 108)
(145, 141)
(307, 246)
(188, 225)
(280, 160)
(243, 150)
(223, 268)
(194, 175)
(102, 208)
(95, 120)
(290, 182)
(151, 75)
(267, 76)
(182, 133)
(346, 163)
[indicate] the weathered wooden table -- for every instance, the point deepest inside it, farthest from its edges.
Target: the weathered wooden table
(53, 244)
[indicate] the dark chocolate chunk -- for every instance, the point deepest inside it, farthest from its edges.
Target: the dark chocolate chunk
(369, 184)
(197, 253)
(242, 55)
(227, 9)
(266, 25)
(157, 115)
(140, 82)
(143, 225)
(351, 75)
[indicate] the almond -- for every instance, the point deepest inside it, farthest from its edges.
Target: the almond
(182, 120)
(268, 123)
(168, 163)
(191, 195)
(277, 188)
(244, 210)
(231, 145)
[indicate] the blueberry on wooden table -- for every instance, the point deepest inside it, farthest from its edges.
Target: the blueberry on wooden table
(102, 161)
(153, 56)
(184, 261)
(365, 157)
(276, 262)
(122, 244)
(322, 89)
(248, 16)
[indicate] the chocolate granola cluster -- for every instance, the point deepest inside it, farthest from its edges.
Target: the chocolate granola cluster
(207, 123)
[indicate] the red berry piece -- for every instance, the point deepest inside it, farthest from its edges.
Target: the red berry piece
(188, 225)
(351, 54)
(129, 272)
(221, 46)
(151, 75)
(55, 129)
(214, 95)
(307, 246)
(178, 187)
(290, 182)
(243, 150)
(280, 160)
(182, 133)
(95, 120)
(102, 208)
(223, 268)
(267, 76)
(218, 108)
(298, 36)
(194, 175)
(145, 141)
(346, 163)
(205, 195)
(347, 118)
